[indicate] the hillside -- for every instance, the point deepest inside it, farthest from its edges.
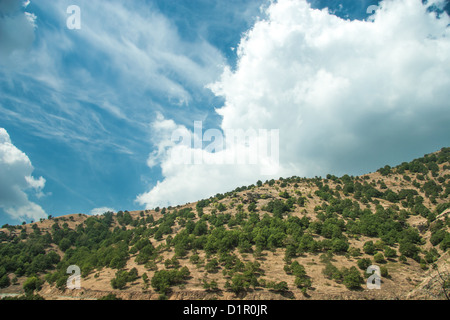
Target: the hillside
(292, 238)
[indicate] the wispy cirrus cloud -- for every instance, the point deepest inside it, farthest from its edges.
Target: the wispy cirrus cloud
(90, 93)
(126, 59)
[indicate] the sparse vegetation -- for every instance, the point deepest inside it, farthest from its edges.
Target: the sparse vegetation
(393, 218)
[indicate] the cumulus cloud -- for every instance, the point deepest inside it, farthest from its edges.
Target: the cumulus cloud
(100, 211)
(201, 163)
(16, 180)
(16, 27)
(346, 95)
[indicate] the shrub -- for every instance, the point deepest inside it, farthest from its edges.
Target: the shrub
(297, 269)
(384, 272)
(164, 279)
(252, 207)
(64, 244)
(4, 281)
(32, 284)
(332, 272)
(210, 286)
(302, 282)
(110, 296)
(437, 237)
(212, 265)
(363, 264)
(369, 247)
(279, 286)
(238, 283)
(390, 253)
(339, 245)
(378, 257)
(354, 252)
(445, 244)
(352, 279)
(120, 280)
(408, 249)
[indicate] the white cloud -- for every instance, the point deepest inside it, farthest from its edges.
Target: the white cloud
(16, 28)
(192, 172)
(345, 95)
(16, 179)
(338, 89)
(36, 184)
(132, 42)
(127, 58)
(100, 211)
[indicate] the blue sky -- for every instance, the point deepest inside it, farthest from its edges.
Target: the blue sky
(86, 112)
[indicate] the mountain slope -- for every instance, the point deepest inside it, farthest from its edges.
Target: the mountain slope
(294, 238)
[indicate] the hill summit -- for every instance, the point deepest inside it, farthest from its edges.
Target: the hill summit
(383, 235)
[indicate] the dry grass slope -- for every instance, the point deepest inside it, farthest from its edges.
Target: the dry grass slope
(242, 244)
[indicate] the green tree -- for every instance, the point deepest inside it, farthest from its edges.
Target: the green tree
(200, 228)
(390, 253)
(297, 269)
(369, 247)
(132, 275)
(281, 286)
(239, 283)
(110, 296)
(302, 282)
(145, 278)
(437, 237)
(364, 263)
(332, 272)
(64, 244)
(352, 279)
(445, 243)
(384, 272)
(4, 281)
(120, 280)
(32, 284)
(408, 249)
(378, 257)
(118, 262)
(339, 245)
(212, 265)
(162, 281)
(183, 274)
